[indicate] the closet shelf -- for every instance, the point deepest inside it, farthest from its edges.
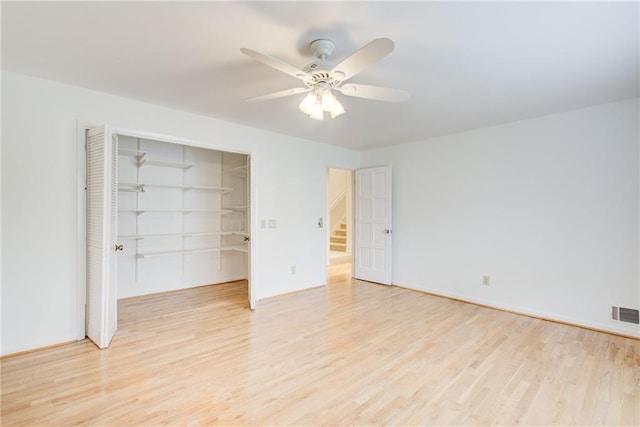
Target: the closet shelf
(134, 153)
(236, 208)
(186, 211)
(169, 235)
(239, 248)
(138, 187)
(167, 163)
(141, 157)
(204, 187)
(240, 171)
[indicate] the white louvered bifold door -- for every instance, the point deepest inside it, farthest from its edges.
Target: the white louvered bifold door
(252, 294)
(102, 229)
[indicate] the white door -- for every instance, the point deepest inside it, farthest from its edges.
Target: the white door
(102, 230)
(373, 225)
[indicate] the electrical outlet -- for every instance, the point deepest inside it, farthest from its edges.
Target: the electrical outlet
(293, 269)
(486, 280)
(272, 223)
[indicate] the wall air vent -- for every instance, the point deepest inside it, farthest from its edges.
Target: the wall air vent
(628, 315)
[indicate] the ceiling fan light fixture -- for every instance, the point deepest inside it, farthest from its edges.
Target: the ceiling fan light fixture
(317, 112)
(331, 104)
(328, 100)
(306, 106)
(336, 109)
(320, 100)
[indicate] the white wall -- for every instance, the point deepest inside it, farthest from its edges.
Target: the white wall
(40, 199)
(547, 207)
(338, 180)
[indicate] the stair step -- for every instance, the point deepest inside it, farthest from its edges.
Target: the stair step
(341, 232)
(338, 247)
(338, 239)
(343, 226)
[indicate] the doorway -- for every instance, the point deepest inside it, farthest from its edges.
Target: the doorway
(340, 223)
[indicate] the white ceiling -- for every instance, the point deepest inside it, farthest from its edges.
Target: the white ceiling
(466, 65)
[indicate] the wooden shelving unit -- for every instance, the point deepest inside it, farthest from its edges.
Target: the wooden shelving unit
(139, 186)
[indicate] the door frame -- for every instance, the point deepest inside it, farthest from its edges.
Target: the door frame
(81, 215)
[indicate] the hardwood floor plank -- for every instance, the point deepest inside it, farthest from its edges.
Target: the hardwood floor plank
(351, 353)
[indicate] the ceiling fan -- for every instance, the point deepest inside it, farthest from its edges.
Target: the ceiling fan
(321, 77)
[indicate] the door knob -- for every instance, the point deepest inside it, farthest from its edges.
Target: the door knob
(119, 247)
(387, 231)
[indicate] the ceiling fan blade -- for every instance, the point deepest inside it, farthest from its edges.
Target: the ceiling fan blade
(374, 92)
(276, 63)
(362, 58)
(281, 94)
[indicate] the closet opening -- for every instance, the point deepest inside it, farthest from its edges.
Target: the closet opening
(161, 216)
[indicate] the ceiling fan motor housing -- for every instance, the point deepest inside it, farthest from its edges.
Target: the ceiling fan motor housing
(320, 69)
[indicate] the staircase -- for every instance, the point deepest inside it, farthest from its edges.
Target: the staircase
(338, 240)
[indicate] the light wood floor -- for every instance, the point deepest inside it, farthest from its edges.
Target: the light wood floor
(352, 353)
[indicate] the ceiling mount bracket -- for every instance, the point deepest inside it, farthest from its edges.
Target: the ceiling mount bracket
(322, 48)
